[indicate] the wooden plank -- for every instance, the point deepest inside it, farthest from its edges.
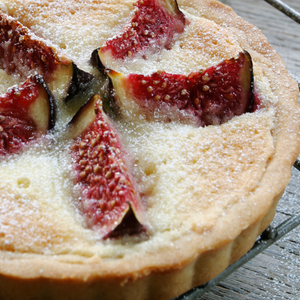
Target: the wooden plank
(274, 274)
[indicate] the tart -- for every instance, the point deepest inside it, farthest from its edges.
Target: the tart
(205, 191)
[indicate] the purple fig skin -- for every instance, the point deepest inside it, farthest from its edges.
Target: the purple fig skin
(24, 54)
(51, 99)
(26, 113)
(80, 82)
(151, 29)
(107, 191)
(96, 62)
(208, 97)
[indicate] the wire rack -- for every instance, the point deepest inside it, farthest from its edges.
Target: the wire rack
(271, 234)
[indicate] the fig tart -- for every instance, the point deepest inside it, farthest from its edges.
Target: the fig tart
(144, 145)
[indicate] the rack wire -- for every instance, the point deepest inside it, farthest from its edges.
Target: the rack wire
(271, 234)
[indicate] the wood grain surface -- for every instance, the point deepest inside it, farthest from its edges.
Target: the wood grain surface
(274, 274)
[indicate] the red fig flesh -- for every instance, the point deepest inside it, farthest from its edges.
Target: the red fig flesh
(25, 113)
(212, 96)
(153, 26)
(107, 189)
(22, 53)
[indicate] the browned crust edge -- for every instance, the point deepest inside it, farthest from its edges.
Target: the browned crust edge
(179, 271)
(158, 285)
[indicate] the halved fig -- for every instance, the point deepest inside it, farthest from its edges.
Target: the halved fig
(23, 53)
(107, 190)
(26, 113)
(208, 97)
(152, 27)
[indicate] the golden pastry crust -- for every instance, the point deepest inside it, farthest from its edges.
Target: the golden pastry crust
(48, 254)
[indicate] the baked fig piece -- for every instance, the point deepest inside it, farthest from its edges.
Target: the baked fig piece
(107, 190)
(152, 27)
(26, 113)
(23, 53)
(207, 97)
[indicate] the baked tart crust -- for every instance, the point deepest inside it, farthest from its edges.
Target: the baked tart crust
(210, 191)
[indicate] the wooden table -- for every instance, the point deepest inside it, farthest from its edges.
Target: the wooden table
(274, 274)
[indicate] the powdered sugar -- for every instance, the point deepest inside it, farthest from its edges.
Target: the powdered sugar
(183, 172)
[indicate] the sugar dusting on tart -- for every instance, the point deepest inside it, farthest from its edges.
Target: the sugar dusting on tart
(76, 27)
(182, 171)
(190, 178)
(8, 81)
(203, 44)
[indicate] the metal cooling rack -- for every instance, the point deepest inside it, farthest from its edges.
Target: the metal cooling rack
(271, 234)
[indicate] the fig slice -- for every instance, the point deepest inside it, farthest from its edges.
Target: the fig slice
(26, 113)
(207, 97)
(107, 191)
(24, 54)
(152, 27)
